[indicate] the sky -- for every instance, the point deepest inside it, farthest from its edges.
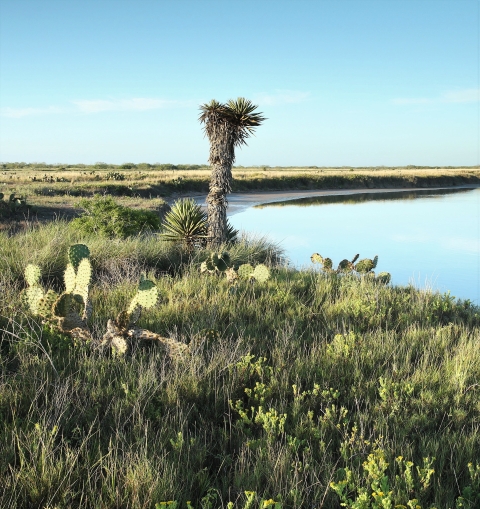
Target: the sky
(341, 82)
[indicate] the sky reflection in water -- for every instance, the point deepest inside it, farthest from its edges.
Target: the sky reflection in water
(430, 238)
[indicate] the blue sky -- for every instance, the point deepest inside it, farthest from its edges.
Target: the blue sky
(342, 82)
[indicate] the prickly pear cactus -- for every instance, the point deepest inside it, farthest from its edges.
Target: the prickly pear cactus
(34, 294)
(76, 253)
(69, 278)
(261, 273)
(364, 266)
(375, 261)
(383, 278)
(327, 264)
(147, 294)
(207, 266)
(32, 275)
(216, 263)
(83, 276)
(345, 266)
(45, 305)
(316, 258)
(145, 298)
(245, 271)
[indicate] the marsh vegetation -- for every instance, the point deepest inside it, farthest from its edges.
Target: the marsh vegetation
(297, 388)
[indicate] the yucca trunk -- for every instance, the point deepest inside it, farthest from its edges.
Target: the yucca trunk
(221, 159)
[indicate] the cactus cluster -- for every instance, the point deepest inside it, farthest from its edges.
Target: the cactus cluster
(217, 262)
(261, 273)
(362, 267)
(71, 308)
(13, 205)
(221, 262)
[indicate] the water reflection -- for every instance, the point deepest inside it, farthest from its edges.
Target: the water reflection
(429, 237)
(352, 199)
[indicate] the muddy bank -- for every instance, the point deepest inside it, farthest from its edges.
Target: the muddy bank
(237, 202)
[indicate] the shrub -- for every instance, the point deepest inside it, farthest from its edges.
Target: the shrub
(186, 222)
(106, 218)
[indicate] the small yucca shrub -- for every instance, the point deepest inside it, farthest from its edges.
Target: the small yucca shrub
(185, 222)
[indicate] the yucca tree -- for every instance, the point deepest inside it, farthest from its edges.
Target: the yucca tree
(227, 126)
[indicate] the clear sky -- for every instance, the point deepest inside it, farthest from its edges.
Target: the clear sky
(342, 82)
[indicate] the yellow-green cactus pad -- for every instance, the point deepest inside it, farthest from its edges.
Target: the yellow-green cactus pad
(147, 295)
(316, 258)
(32, 274)
(84, 275)
(261, 273)
(245, 271)
(69, 278)
(33, 297)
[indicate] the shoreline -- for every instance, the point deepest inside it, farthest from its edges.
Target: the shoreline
(239, 202)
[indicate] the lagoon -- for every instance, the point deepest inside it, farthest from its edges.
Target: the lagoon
(429, 238)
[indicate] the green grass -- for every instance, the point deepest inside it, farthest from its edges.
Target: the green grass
(345, 368)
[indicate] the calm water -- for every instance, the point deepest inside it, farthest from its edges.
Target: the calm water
(428, 238)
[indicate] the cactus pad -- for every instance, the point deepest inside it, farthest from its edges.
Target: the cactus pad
(147, 295)
(364, 266)
(32, 274)
(63, 305)
(222, 266)
(45, 304)
(78, 252)
(345, 266)
(69, 278)
(383, 278)
(84, 274)
(245, 271)
(226, 258)
(261, 273)
(327, 264)
(316, 258)
(375, 261)
(214, 259)
(33, 297)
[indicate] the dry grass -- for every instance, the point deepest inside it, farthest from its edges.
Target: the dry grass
(56, 191)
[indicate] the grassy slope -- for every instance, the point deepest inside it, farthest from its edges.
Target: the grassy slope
(355, 369)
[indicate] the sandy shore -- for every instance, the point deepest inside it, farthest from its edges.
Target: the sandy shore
(238, 202)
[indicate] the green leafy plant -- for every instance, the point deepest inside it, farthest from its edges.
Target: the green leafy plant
(104, 217)
(376, 489)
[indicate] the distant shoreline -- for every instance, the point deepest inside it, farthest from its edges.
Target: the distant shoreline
(238, 202)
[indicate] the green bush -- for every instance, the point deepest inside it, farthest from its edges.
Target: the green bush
(106, 218)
